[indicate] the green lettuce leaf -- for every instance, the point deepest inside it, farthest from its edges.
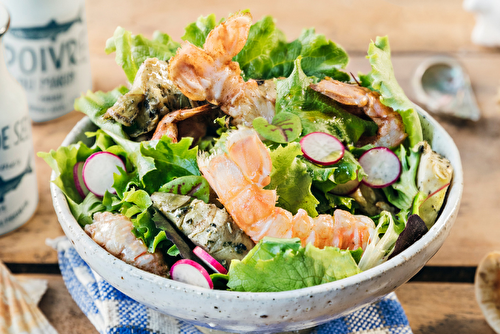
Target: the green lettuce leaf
(62, 162)
(84, 211)
(317, 111)
(192, 185)
(284, 128)
(282, 264)
(197, 32)
(392, 95)
(401, 193)
(327, 177)
(291, 180)
(267, 55)
(94, 105)
(171, 160)
(330, 202)
(132, 50)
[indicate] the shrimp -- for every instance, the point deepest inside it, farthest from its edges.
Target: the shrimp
(391, 130)
(210, 74)
(114, 233)
(239, 174)
(167, 124)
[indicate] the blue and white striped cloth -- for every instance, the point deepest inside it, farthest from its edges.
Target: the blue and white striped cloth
(110, 311)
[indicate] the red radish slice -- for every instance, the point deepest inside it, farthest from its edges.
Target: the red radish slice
(382, 167)
(78, 178)
(190, 272)
(209, 260)
(98, 172)
(346, 188)
(322, 148)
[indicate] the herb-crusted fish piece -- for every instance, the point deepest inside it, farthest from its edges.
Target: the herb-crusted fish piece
(151, 97)
(206, 225)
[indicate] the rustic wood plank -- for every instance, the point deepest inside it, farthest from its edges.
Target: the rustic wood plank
(352, 24)
(60, 308)
(442, 308)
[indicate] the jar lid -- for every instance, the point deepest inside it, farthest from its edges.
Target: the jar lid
(4, 20)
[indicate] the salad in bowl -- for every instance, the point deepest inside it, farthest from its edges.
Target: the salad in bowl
(238, 161)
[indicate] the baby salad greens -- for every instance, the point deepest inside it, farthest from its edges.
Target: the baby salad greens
(283, 264)
(292, 69)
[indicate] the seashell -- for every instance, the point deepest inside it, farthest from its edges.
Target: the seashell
(487, 293)
(35, 288)
(442, 85)
(19, 313)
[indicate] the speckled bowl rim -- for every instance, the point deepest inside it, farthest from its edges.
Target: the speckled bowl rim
(451, 207)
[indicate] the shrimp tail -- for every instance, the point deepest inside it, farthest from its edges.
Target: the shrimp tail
(238, 174)
(210, 74)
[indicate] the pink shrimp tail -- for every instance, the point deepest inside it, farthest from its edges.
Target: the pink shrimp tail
(239, 175)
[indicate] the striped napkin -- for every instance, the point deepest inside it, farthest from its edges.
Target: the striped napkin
(110, 311)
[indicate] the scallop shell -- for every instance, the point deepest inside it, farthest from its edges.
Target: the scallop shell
(19, 313)
(487, 286)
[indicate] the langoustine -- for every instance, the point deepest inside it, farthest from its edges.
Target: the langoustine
(210, 74)
(113, 232)
(391, 130)
(239, 175)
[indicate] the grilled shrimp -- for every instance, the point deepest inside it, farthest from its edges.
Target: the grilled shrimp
(210, 74)
(114, 233)
(167, 125)
(391, 130)
(239, 175)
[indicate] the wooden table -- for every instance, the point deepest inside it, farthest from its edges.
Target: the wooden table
(441, 298)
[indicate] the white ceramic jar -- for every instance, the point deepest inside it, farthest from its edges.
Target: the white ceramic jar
(18, 183)
(47, 52)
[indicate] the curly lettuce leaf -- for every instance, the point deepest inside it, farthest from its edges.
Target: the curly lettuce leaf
(95, 104)
(327, 177)
(383, 80)
(197, 32)
(401, 193)
(132, 50)
(330, 202)
(291, 180)
(282, 264)
(317, 111)
(171, 160)
(62, 162)
(84, 211)
(267, 55)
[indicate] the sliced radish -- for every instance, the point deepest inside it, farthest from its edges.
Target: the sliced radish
(78, 178)
(322, 148)
(209, 260)
(98, 172)
(346, 188)
(382, 167)
(190, 272)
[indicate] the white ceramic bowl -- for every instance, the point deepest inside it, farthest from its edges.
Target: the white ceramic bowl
(276, 311)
